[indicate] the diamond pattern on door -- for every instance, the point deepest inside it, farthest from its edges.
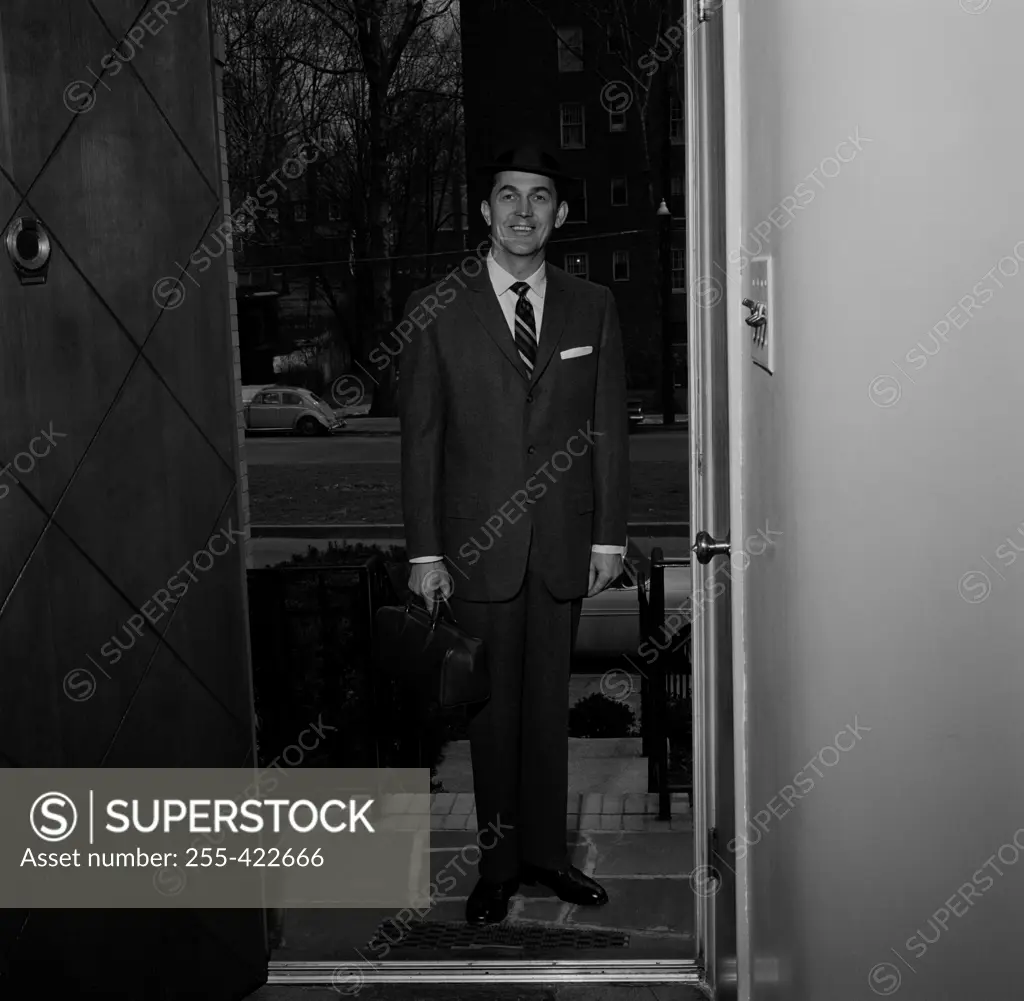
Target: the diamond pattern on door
(180, 345)
(206, 619)
(119, 16)
(51, 632)
(21, 525)
(196, 732)
(67, 380)
(122, 153)
(98, 665)
(9, 197)
(166, 40)
(142, 523)
(48, 50)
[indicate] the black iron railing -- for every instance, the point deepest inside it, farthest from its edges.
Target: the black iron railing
(312, 637)
(666, 689)
(311, 633)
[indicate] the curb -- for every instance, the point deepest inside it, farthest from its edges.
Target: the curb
(366, 434)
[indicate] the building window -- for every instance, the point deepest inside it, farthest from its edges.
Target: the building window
(678, 276)
(573, 130)
(620, 191)
(570, 49)
(577, 265)
(299, 212)
(677, 185)
(616, 121)
(333, 212)
(675, 121)
(620, 265)
(577, 199)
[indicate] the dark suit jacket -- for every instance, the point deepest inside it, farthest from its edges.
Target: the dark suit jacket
(489, 454)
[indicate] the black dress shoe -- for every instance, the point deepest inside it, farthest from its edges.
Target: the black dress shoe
(488, 903)
(569, 885)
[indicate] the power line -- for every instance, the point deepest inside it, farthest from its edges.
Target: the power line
(437, 253)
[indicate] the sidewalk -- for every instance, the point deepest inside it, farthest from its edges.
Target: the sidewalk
(370, 426)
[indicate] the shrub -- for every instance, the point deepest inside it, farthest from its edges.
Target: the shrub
(599, 716)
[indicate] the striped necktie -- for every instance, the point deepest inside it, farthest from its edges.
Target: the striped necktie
(525, 327)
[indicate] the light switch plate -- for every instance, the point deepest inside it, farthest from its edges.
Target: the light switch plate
(762, 340)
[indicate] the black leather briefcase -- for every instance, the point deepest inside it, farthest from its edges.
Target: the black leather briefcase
(433, 654)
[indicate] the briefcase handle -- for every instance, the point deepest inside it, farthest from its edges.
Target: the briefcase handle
(435, 615)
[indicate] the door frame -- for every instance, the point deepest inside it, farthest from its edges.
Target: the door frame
(697, 215)
(708, 282)
(737, 153)
(350, 977)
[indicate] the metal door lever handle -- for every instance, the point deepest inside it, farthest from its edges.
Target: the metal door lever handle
(758, 313)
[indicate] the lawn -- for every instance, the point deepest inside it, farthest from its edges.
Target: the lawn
(370, 493)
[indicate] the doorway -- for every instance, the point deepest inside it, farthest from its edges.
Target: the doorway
(545, 941)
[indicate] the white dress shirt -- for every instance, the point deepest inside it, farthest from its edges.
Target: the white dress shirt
(502, 282)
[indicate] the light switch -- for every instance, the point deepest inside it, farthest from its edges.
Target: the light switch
(762, 336)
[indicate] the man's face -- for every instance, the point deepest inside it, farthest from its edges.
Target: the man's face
(522, 212)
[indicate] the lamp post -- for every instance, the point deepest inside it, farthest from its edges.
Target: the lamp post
(667, 361)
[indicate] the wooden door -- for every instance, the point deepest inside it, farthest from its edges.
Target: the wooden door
(123, 616)
(877, 630)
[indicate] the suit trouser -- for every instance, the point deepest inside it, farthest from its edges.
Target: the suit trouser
(519, 741)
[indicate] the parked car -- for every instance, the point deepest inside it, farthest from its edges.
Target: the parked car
(289, 408)
(635, 409)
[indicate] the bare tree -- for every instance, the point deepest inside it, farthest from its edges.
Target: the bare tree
(395, 46)
(378, 83)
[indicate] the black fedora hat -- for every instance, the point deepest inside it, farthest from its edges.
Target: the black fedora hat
(529, 158)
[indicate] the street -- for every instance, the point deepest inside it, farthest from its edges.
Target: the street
(663, 446)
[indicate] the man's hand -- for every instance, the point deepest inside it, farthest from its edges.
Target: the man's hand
(604, 568)
(429, 581)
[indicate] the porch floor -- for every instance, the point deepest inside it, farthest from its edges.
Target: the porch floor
(645, 864)
(648, 875)
(614, 833)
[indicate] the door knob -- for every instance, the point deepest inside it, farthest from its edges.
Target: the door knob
(705, 548)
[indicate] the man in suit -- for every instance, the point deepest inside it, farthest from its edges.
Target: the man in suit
(515, 493)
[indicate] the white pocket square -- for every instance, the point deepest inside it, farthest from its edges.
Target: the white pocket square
(577, 352)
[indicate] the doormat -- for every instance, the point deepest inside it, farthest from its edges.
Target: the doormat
(438, 935)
